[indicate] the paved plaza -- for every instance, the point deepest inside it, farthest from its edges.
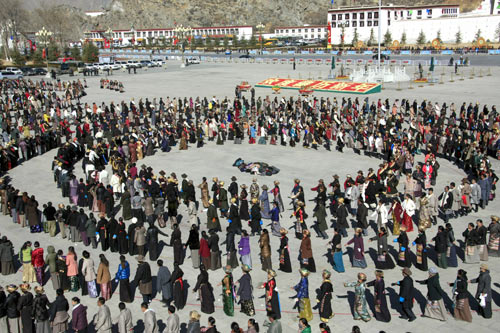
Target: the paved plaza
(219, 79)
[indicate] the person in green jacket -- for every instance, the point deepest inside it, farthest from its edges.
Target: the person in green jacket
(321, 225)
(223, 204)
(304, 326)
(51, 261)
(25, 259)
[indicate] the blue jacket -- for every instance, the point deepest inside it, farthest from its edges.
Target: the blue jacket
(275, 214)
(123, 273)
(302, 288)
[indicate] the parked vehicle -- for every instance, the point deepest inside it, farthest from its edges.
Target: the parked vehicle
(193, 60)
(383, 57)
(14, 70)
(27, 71)
(8, 75)
(39, 71)
(246, 56)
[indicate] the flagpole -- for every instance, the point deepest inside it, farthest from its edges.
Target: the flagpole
(379, 30)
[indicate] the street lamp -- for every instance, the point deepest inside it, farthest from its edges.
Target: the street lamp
(260, 27)
(109, 38)
(182, 33)
(43, 36)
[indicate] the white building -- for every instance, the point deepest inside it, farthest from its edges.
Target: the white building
(143, 36)
(410, 20)
(306, 32)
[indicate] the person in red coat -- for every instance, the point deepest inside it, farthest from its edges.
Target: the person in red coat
(79, 316)
(38, 262)
(204, 249)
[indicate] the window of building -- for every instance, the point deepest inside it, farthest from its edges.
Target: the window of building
(340, 17)
(354, 16)
(388, 22)
(369, 23)
(305, 30)
(299, 31)
(347, 24)
(346, 16)
(361, 24)
(388, 14)
(354, 24)
(429, 12)
(334, 24)
(286, 30)
(293, 31)
(334, 17)
(361, 16)
(376, 14)
(306, 36)
(370, 15)
(375, 23)
(419, 12)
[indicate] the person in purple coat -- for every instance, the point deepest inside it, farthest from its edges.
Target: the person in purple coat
(79, 316)
(358, 258)
(244, 249)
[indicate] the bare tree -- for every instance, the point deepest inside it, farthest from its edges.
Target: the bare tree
(13, 20)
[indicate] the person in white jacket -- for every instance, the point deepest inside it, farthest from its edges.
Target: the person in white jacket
(409, 207)
(380, 214)
(116, 183)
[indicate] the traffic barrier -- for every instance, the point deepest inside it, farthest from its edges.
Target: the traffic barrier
(319, 62)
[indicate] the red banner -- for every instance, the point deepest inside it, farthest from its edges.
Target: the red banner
(329, 33)
(319, 85)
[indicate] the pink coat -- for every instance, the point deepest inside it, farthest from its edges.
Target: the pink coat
(71, 264)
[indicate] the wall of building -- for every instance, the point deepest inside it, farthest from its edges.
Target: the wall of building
(468, 26)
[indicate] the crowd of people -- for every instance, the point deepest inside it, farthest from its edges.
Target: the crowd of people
(109, 206)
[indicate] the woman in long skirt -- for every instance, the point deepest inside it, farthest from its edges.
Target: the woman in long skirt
(265, 250)
(123, 276)
(397, 212)
(381, 311)
(325, 298)
(227, 291)
(494, 240)
(421, 249)
(306, 254)
(245, 291)
(72, 269)
(41, 306)
(461, 297)
(434, 308)
(104, 277)
(338, 262)
(302, 289)
(178, 287)
(452, 251)
(272, 296)
(244, 213)
(358, 259)
(404, 259)
(360, 305)
(471, 240)
(384, 260)
(285, 263)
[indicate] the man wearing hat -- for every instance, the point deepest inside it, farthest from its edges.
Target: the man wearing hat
(143, 279)
(233, 189)
(406, 295)
(483, 293)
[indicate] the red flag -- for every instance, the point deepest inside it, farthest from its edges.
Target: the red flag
(260, 38)
(329, 33)
(44, 53)
(176, 41)
(107, 44)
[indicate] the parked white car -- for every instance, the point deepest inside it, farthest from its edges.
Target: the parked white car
(10, 75)
(193, 60)
(14, 70)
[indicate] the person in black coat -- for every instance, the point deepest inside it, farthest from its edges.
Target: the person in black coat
(121, 236)
(13, 313)
(406, 295)
(255, 216)
(404, 259)
(205, 290)
(213, 244)
(342, 215)
(143, 279)
(441, 247)
(176, 243)
(234, 217)
(381, 310)
(132, 248)
(361, 216)
(25, 307)
(103, 230)
(194, 245)
(152, 240)
(232, 257)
